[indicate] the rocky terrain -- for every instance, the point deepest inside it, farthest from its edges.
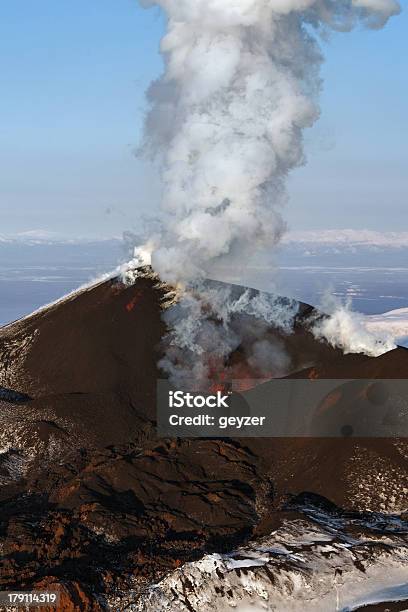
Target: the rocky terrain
(94, 504)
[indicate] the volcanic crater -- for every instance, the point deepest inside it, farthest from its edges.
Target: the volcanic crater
(95, 505)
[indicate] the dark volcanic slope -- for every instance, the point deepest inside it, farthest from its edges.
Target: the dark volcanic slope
(99, 340)
(88, 364)
(92, 501)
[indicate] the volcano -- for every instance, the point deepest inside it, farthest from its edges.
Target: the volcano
(95, 505)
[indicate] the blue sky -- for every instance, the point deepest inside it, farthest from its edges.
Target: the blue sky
(73, 76)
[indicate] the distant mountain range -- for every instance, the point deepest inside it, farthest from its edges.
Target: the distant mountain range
(298, 249)
(355, 248)
(45, 248)
(42, 237)
(342, 238)
(348, 238)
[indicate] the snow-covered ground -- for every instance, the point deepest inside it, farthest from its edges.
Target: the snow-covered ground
(317, 565)
(394, 322)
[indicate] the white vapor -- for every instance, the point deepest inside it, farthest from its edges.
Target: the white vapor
(226, 121)
(348, 330)
(209, 324)
(241, 83)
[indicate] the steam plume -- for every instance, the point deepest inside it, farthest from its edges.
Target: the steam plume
(226, 122)
(345, 329)
(241, 83)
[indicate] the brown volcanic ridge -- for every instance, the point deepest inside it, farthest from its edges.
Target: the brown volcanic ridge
(91, 501)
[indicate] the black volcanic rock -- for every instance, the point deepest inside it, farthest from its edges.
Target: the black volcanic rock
(13, 397)
(93, 502)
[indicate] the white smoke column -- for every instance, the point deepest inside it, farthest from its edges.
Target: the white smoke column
(226, 122)
(241, 83)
